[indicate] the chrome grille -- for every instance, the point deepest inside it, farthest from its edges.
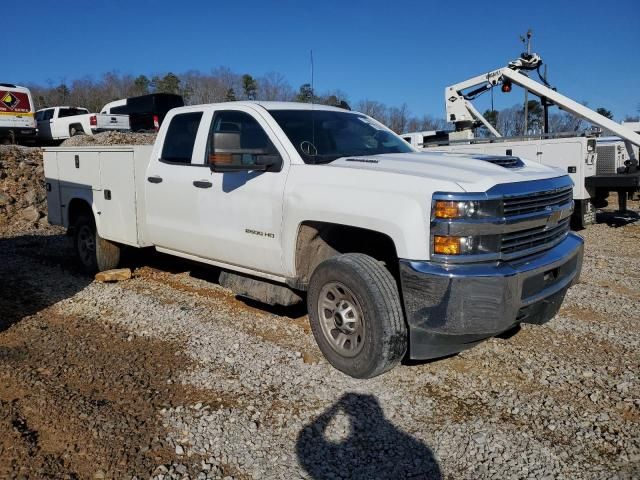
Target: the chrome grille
(536, 202)
(538, 238)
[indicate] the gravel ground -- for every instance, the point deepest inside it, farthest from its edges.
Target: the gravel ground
(168, 375)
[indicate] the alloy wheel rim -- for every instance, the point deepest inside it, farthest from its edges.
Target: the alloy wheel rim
(341, 319)
(86, 244)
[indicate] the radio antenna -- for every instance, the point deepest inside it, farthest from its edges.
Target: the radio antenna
(313, 93)
(312, 83)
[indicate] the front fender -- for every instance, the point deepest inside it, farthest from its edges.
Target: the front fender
(397, 206)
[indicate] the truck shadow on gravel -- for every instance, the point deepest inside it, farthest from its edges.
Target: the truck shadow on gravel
(36, 271)
(373, 448)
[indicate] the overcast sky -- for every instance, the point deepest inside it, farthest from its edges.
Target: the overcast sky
(393, 52)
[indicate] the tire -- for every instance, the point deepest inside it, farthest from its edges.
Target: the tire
(73, 131)
(95, 253)
(365, 335)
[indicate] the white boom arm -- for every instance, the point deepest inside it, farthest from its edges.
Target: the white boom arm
(459, 109)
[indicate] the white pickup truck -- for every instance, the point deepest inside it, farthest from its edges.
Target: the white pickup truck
(398, 253)
(59, 123)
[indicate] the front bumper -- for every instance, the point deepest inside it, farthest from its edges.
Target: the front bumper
(450, 308)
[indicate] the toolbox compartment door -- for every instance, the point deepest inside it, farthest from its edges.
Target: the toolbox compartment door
(116, 202)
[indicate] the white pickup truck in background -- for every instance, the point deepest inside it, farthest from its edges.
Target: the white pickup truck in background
(398, 253)
(60, 123)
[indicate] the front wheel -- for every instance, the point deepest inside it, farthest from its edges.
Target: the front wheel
(356, 316)
(95, 253)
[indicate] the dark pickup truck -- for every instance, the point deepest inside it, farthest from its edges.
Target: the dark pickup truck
(146, 112)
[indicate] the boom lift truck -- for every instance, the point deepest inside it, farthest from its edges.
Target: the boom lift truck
(576, 154)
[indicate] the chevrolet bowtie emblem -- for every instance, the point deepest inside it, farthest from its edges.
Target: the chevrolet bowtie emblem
(554, 218)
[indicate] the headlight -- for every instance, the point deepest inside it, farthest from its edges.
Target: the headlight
(455, 209)
(443, 207)
(454, 245)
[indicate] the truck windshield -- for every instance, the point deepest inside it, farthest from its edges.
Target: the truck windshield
(322, 136)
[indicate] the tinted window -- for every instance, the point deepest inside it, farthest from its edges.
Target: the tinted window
(121, 109)
(71, 112)
(180, 138)
(48, 114)
(321, 136)
(233, 131)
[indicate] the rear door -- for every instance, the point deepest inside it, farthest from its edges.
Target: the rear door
(170, 196)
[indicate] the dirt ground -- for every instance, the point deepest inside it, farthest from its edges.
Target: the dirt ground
(81, 395)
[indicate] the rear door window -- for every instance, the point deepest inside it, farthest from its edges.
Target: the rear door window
(71, 112)
(181, 137)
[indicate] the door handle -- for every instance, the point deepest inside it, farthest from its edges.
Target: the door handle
(202, 184)
(154, 179)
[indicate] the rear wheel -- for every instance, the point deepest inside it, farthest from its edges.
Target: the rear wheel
(75, 130)
(356, 316)
(95, 253)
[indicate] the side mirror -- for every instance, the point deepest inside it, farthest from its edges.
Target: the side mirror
(228, 156)
(260, 163)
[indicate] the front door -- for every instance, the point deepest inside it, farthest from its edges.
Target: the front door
(241, 212)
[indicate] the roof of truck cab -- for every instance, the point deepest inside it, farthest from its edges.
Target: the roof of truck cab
(267, 106)
(61, 106)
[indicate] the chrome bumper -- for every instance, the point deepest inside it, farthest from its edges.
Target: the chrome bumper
(452, 307)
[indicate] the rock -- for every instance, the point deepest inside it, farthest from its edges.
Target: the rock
(30, 214)
(5, 198)
(32, 197)
(99, 475)
(480, 438)
(114, 275)
(179, 450)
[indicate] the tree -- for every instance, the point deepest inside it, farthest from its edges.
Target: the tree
(374, 109)
(230, 96)
(491, 116)
(274, 86)
(398, 118)
(336, 98)
(141, 85)
(249, 86)
(170, 83)
(305, 93)
(534, 111)
(604, 112)
(62, 93)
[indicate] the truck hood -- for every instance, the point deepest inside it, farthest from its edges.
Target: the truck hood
(473, 173)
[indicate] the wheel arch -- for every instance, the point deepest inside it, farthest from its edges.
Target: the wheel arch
(78, 206)
(317, 241)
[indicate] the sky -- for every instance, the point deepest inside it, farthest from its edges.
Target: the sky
(392, 52)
